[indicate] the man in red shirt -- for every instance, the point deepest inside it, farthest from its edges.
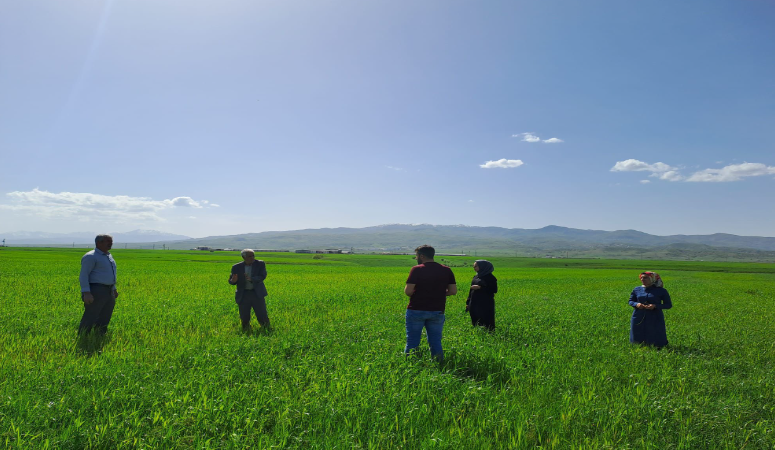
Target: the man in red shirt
(428, 286)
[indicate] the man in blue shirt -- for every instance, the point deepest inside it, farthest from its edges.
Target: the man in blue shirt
(98, 286)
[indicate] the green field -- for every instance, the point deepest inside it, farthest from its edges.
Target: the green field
(176, 372)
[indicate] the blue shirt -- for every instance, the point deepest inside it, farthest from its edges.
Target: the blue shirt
(97, 267)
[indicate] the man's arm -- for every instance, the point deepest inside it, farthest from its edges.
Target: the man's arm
(115, 276)
(261, 275)
(409, 289)
(87, 265)
(452, 284)
(234, 275)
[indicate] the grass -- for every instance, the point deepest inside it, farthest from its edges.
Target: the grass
(558, 372)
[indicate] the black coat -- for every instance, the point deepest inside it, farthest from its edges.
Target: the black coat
(481, 302)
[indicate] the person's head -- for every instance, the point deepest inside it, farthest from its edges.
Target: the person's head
(647, 278)
(104, 242)
(424, 253)
(483, 267)
(248, 256)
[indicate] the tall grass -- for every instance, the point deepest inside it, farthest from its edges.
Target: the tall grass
(176, 372)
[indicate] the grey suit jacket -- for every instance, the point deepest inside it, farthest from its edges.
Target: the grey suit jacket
(257, 277)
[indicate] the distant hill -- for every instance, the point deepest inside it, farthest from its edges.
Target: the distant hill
(550, 241)
(547, 241)
(85, 237)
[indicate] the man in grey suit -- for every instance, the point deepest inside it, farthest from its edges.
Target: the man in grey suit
(249, 276)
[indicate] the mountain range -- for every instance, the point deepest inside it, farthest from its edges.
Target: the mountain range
(547, 241)
(553, 241)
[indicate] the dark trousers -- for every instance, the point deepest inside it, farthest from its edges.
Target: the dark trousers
(96, 316)
(251, 301)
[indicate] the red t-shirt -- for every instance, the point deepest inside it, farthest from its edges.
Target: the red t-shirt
(430, 282)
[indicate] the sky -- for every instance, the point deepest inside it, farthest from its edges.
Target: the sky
(208, 118)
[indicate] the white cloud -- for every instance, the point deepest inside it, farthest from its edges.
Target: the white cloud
(502, 164)
(397, 169)
(645, 181)
(215, 205)
(671, 175)
(184, 201)
(734, 172)
(531, 137)
(81, 204)
(633, 165)
(662, 171)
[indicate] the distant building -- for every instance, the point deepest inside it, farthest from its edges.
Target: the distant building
(303, 251)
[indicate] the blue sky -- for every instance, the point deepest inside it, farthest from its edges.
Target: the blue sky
(213, 118)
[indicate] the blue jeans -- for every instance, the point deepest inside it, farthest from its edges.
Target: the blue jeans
(433, 321)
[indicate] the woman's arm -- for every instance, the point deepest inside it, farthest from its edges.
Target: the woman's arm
(666, 302)
(493, 285)
(634, 299)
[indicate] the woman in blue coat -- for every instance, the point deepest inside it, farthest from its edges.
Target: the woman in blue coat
(647, 325)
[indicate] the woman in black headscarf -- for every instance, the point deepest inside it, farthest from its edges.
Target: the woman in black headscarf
(481, 298)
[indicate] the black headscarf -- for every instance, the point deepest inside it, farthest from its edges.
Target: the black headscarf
(485, 267)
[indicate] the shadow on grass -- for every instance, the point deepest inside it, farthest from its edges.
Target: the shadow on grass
(297, 349)
(91, 343)
(686, 350)
(518, 335)
(255, 331)
(465, 367)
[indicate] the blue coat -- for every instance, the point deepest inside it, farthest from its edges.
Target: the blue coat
(648, 326)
